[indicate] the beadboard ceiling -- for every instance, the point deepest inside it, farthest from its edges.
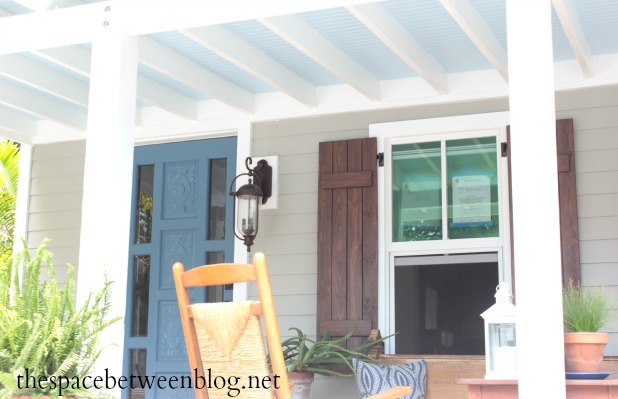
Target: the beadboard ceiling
(363, 55)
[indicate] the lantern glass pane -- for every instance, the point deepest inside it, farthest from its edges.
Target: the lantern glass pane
(502, 347)
(247, 213)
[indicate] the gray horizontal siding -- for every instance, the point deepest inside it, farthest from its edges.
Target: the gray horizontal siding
(56, 189)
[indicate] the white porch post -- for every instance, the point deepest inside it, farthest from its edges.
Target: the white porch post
(538, 280)
(104, 241)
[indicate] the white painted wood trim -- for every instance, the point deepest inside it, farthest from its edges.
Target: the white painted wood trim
(433, 129)
(105, 227)
(536, 224)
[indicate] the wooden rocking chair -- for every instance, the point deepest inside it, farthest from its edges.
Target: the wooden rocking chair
(226, 340)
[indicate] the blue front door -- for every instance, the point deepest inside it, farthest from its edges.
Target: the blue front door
(181, 212)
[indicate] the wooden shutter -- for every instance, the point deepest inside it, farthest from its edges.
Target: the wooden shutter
(347, 238)
(569, 230)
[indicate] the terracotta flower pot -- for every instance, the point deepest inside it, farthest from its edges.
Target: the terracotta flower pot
(583, 352)
(302, 384)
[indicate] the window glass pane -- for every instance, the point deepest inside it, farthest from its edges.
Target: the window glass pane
(218, 293)
(218, 196)
(438, 302)
(138, 368)
(141, 283)
(144, 204)
(472, 187)
(417, 192)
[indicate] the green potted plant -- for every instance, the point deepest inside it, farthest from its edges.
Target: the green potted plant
(586, 310)
(305, 357)
(43, 333)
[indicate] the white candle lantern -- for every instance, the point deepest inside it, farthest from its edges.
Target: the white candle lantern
(500, 341)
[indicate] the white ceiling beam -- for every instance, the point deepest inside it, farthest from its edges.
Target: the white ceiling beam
(34, 74)
(41, 106)
(54, 28)
(17, 122)
(237, 51)
(17, 137)
(479, 33)
(42, 5)
(140, 17)
(163, 97)
(77, 59)
(575, 34)
(167, 61)
(78, 24)
(401, 42)
(306, 39)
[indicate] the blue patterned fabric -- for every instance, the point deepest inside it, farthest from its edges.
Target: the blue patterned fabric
(374, 378)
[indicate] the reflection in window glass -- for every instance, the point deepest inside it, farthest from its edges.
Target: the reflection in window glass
(218, 293)
(138, 368)
(141, 283)
(144, 204)
(218, 197)
(417, 192)
(472, 187)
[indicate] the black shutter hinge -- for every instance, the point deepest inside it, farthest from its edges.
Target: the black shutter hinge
(380, 158)
(504, 147)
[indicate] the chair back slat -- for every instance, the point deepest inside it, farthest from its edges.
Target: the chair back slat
(222, 273)
(200, 358)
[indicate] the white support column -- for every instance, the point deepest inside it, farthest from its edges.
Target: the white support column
(538, 280)
(104, 245)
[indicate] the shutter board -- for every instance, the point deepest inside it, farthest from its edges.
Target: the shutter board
(569, 229)
(343, 180)
(347, 238)
(567, 196)
(325, 210)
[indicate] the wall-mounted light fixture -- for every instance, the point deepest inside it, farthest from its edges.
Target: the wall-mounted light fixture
(248, 198)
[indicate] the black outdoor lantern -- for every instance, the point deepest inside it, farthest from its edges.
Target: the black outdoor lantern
(248, 199)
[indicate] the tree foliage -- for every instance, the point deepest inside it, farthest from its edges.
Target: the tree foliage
(9, 173)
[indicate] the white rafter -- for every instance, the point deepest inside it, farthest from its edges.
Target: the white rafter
(74, 58)
(479, 32)
(42, 106)
(229, 46)
(77, 59)
(45, 79)
(397, 38)
(306, 39)
(169, 62)
(575, 34)
(165, 98)
(17, 122)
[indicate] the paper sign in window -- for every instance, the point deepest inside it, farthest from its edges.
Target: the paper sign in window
(471, 201)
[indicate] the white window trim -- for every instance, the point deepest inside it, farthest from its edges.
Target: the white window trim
(433, 129)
